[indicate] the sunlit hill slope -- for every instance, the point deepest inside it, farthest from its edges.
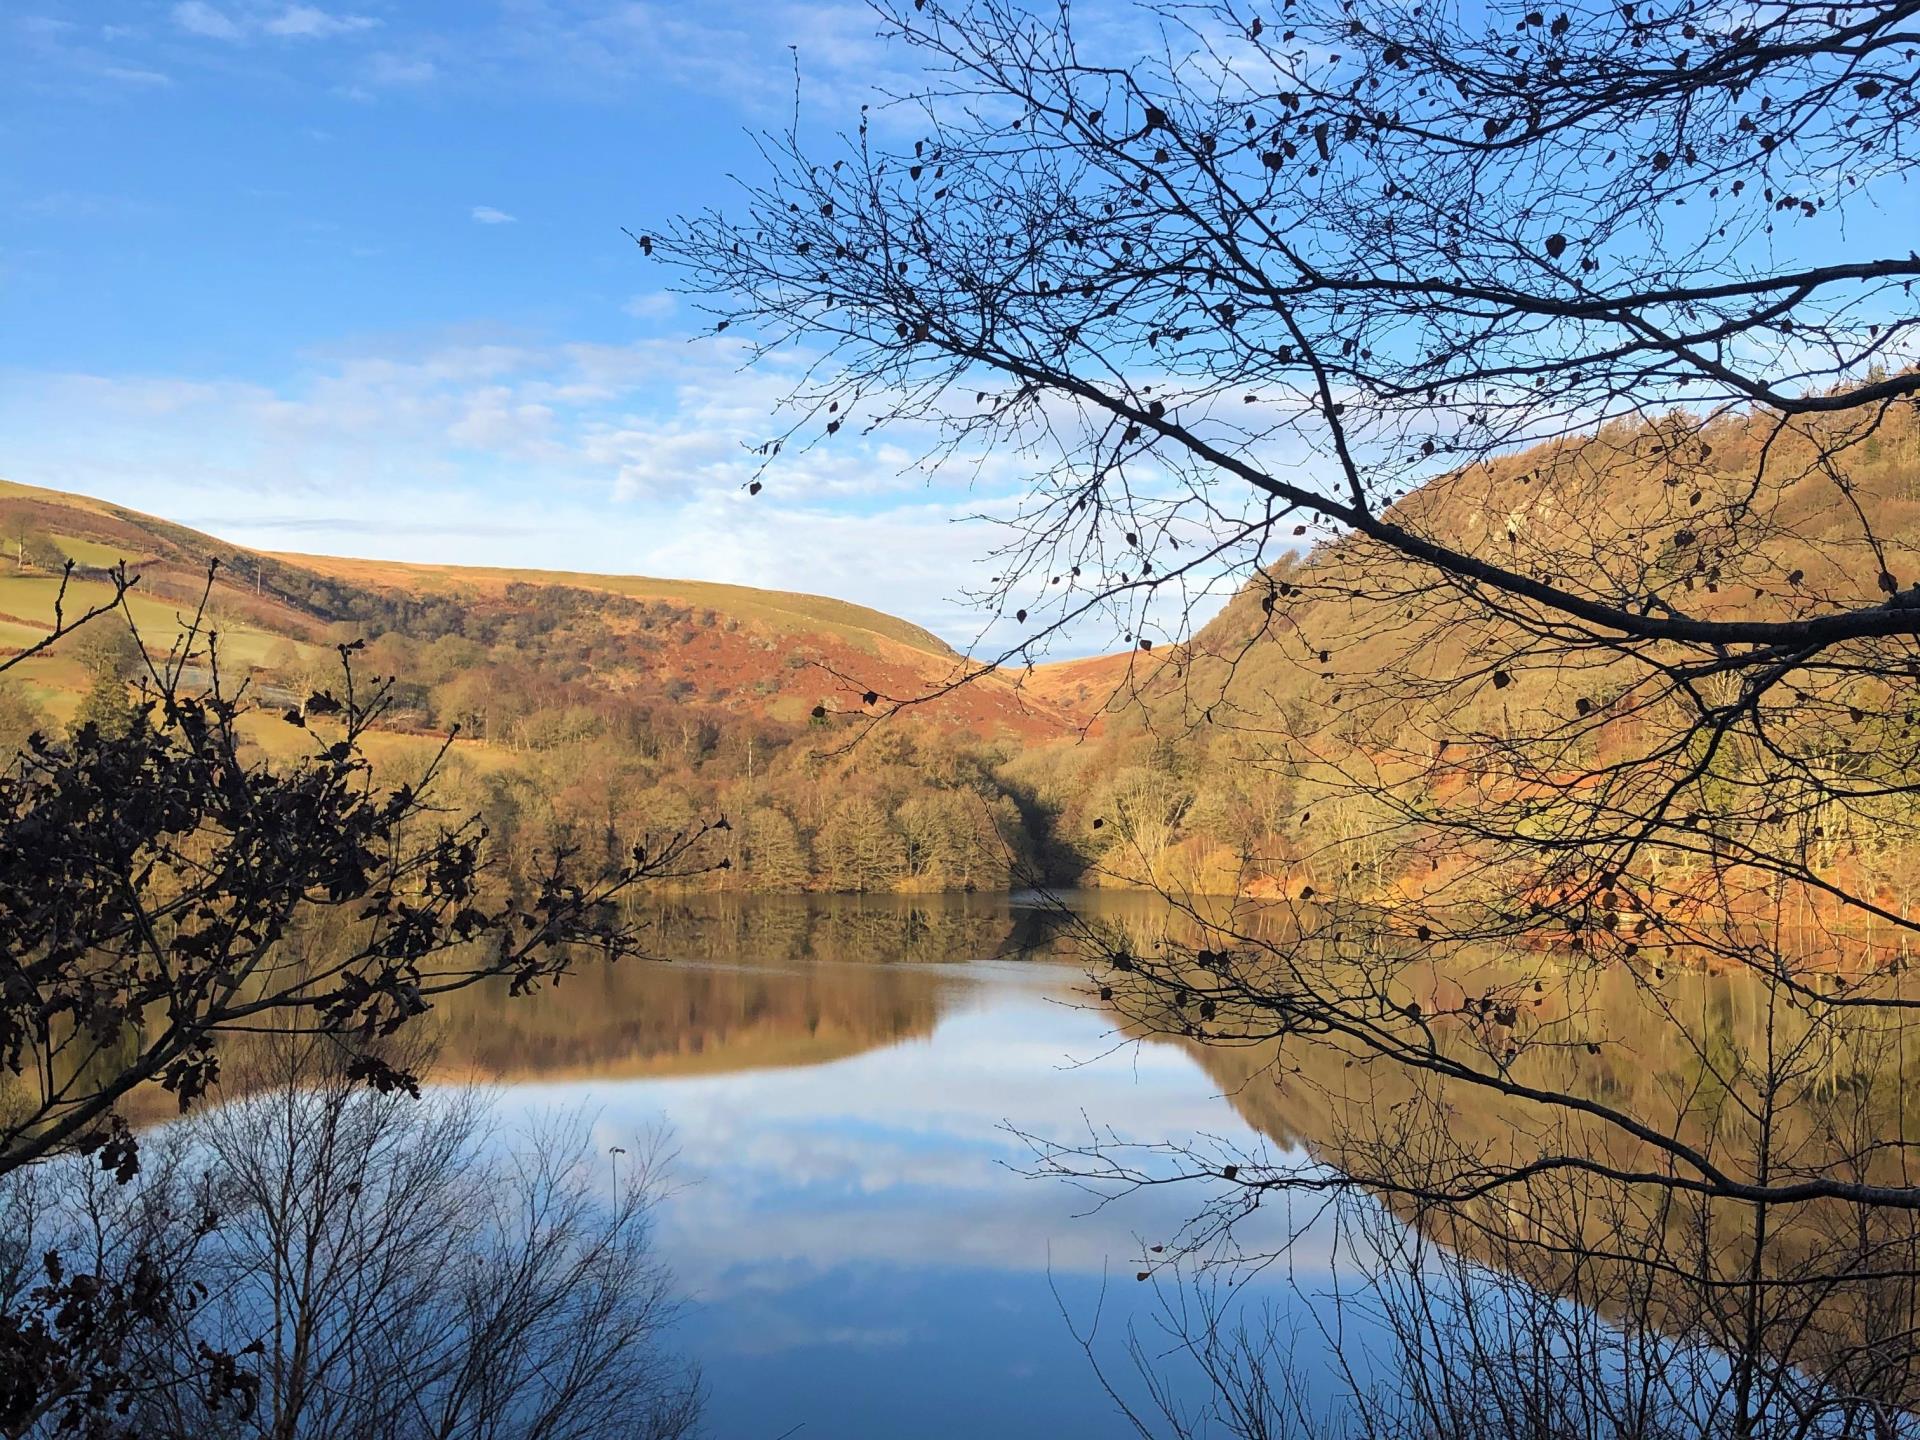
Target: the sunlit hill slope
(1255, 757)
(772, 654)
(593, 708)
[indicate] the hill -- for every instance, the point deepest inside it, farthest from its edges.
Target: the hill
(786, 611)
(591, 710)
(771, 654)
(1257, 757)
(1090, 686)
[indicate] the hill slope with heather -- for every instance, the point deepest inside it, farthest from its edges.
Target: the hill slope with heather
(770, 654)
(590, 710)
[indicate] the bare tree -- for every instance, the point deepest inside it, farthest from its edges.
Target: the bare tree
(166, 888)
(1544, 375)
(164, 884)
(391, 1266)
(1252, 277)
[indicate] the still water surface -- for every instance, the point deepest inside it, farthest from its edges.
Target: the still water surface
(842, 1084)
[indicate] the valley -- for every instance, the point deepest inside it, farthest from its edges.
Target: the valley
(1316, 733)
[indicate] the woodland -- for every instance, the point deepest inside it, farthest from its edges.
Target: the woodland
(586, 718)
(1532, 830)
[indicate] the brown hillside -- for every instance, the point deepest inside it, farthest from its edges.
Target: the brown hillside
(771, 654)
(1095, 685)
(1247, 761)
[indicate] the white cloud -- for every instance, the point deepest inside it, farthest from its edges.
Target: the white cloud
(49, 53)
(135, 75)
(291, 22)
(600, 50)
(653, 305)
(197, 17)
(305, 22)
(616, 458)
(88, 205)
(627, 458)
(487, 215)
(390, 70)
(727, 48)
(496, 420)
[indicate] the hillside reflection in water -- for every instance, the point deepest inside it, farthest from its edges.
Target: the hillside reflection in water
(839, 1081)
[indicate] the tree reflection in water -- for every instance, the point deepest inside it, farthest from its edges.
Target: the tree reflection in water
(1641, 1199)
(862, 1089)
(1576, 1299)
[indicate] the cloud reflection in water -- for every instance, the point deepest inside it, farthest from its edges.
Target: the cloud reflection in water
(866, 1257)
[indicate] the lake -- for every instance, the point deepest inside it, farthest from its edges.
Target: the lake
(844, 1086)
(851, 1092)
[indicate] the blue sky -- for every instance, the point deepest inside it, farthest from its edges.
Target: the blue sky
(351, 279)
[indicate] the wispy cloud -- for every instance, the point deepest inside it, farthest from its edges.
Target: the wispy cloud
(653, 305)
(742, 54)
(487, 215)
(306, 22)
(50, 54)
(87, 205)
(627, 458)
(388, 71)
(290, 22)
(197, 17)
(739, 54)
(630, 458)
(135, 75)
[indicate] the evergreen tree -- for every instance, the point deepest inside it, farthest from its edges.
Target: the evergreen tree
(111, 655)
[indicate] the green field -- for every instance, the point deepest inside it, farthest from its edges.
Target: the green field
(29, 599)
(92, 553)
